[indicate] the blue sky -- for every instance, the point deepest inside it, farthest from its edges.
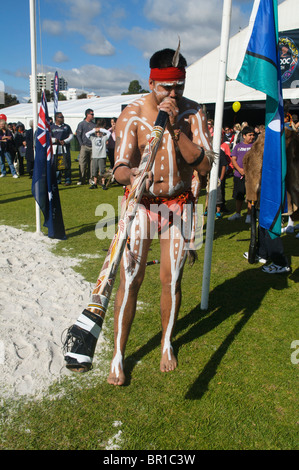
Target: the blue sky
(101, 46)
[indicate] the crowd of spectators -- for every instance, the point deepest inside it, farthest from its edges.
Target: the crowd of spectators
(17, 148)
(96, 139)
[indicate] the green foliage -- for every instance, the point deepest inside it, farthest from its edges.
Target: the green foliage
(135, 88)
(9, 100)
(235, 386)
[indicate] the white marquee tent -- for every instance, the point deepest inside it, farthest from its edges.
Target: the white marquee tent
(73, 110)
(202, 75)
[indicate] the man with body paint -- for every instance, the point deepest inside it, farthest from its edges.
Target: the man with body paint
(185, 147)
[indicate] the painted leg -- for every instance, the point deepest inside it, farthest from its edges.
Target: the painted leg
(173, 257)
(131, 277)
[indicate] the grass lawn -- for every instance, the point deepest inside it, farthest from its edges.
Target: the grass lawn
(235, 386)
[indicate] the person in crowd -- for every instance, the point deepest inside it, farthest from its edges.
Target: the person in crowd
(220, 201)
(20, 148)
(244, 124)
(61, 137)
(99, 137)
(29, 146)
(227, 135)
(295, 122)
(236, 135)
(228, 172)
(257, 132)
(111, 143)
(237, 155)
(269, 249)
(7, 149)
(85, 146)
(211, 127)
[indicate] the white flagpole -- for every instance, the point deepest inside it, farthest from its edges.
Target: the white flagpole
(34, 88)
(226, 17)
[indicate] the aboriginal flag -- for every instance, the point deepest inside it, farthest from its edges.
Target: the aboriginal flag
(44, 183)
(261, 70)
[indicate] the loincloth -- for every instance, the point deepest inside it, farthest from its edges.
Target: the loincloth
(163, 210)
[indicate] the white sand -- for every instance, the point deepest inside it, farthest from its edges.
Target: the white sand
(40, 296)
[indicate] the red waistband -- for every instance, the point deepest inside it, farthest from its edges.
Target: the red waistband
(180, 199)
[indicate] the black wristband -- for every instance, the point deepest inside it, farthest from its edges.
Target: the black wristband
(118, 166)
(199, 159)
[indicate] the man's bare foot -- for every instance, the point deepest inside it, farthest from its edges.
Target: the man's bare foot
(116, 376)
(116, 380)
(168, 361)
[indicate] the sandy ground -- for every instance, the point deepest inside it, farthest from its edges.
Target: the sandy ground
(40, 297)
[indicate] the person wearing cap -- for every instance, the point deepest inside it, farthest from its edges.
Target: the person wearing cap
(185, 147)
(6, 149)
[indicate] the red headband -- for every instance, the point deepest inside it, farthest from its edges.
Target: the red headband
(168, 74)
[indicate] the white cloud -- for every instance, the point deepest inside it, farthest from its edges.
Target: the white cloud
(60, 57)
(96, 43)
(79, 18)
(84, 10)
(52, 27)
(102, 81)
(197, 24)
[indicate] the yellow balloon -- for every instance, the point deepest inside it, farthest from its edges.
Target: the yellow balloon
(236, 106)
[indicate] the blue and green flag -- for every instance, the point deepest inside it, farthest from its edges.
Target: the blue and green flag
(261, 70)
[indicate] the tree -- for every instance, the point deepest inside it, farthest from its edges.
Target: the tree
(9, 100)
(134, 88)
(61, 97)
(47, 93)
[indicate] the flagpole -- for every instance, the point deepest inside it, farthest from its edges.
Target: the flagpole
(34, 89)
(225, 30)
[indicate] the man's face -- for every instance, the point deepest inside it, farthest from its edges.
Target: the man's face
(248, 138)
(162, 90)
(90, 116)
(59, 119)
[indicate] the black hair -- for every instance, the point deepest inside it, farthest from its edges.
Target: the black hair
(88, 111)
(101, 122)
(247, 130)
(162, 59)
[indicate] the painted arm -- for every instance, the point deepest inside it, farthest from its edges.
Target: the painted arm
(197, 150)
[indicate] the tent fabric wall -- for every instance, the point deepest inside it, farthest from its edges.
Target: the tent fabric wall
(73, 110)
(202, 75)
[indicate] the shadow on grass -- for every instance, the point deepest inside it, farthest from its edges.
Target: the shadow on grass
(100, 226)
(17, 198)
(240, 295)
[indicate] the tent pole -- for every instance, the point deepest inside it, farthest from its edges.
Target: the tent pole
(224, 43)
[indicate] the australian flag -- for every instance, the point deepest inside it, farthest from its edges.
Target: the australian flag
(44, 183)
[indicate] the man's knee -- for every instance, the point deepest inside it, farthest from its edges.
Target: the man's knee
(169, 279)
(133, 282)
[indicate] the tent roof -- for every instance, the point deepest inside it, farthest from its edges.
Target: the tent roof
(202, 75)
(73, 110)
